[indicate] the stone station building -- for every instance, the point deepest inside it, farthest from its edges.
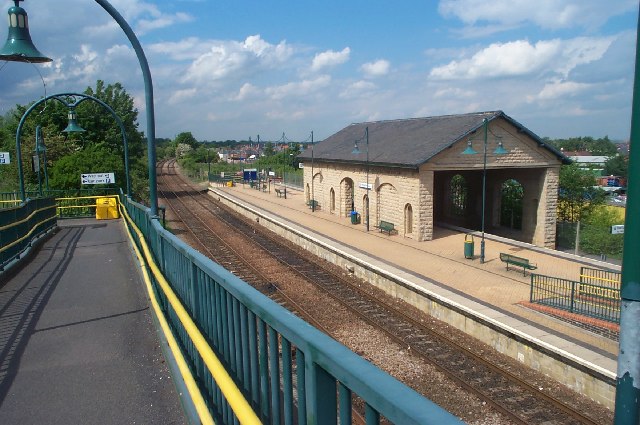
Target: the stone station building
(420, 172)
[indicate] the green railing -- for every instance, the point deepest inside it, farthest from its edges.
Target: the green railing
(584, 298)
(287, 371)
(21, 226)
(610, 278)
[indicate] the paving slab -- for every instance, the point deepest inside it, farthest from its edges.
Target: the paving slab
(77, 342)
(487, 288)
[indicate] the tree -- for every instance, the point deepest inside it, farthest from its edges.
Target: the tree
(101, 131)
(617, 166)
(65, 173)
(578, 194)
(186, 138)
(268, 149)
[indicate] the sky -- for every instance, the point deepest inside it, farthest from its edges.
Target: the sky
(235, 69)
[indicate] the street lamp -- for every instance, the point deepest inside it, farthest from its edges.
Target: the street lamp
(70, 100)
(19, 48)
(313, 198)
(41, 149)
(356, 151)
(500, 150)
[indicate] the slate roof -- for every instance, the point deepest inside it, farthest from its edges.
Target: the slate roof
(408, 143)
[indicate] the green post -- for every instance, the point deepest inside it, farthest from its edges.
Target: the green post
(627, 408)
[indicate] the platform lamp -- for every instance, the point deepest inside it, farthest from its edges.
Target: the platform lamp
(20, 48)
(41, 152)
(500, 150)
(313, 203)
(72, 126)
(356, 151)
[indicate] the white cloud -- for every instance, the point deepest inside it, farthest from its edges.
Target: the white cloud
(376, 69)
(359, 88)
(298, 89)
(247, 90)
(550, 14)
(179, 96)
(518, 58)
(559, 89)
(454, 93)
(232, 58)
(146, 25)
(330, 58)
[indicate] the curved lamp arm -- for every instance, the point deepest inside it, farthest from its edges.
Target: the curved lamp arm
(60, 98)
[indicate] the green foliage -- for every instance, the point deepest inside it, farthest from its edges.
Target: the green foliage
(600, 147)
(103, 137)
(65, 173)
(511, 205)
(187, 139)
(577, 195)
(617, 166)
(595, 234)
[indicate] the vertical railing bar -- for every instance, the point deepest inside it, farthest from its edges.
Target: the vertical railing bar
(231, 354)
(264, 370)
(253, 359)
(301, 387)
(344, 395)
(244, 331)
(274, 375)
(371, 416)
(237, 338)
(287, 381)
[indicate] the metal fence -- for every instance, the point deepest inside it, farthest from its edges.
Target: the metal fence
(287, 371)
(584, 298)
(610, 278)
(21, 225)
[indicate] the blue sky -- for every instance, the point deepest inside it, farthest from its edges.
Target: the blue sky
(236, 69)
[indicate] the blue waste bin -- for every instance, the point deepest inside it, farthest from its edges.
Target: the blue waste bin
(355, 217)
(468, 246)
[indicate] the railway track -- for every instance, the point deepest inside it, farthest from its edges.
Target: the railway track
(505, 391)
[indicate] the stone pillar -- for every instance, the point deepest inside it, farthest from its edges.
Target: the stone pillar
(425, 206)
(547, 212)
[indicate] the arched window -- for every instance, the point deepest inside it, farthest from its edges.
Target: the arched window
(458, 196)
(512, 194)
(332, 200)
(408, 219)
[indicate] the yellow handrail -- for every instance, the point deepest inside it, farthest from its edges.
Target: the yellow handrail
(232, 393)
(15, 223)
(17, 241)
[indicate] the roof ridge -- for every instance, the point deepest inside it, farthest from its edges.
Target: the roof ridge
(479, 113)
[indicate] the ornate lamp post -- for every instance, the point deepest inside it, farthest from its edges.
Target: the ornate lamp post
(500, 150)
(20, 48)
(356, 151)
(70, 100)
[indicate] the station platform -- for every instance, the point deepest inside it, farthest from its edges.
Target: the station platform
(440, 267)
(77, 338)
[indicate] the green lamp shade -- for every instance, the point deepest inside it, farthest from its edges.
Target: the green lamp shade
(469, 150)
(73, 126)
(19, 47)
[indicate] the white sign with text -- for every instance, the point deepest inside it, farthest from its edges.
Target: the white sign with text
(97, 178)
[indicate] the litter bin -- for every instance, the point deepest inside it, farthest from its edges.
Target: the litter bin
(355, 217)
(468, 246)
(106, 208)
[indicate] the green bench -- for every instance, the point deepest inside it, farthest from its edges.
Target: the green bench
(386, 226)
(313, 204)
(279, 192)
(517, 261)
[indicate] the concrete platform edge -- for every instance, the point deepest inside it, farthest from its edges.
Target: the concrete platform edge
(590, 379)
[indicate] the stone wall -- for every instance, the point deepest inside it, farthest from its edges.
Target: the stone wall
(392, 190)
